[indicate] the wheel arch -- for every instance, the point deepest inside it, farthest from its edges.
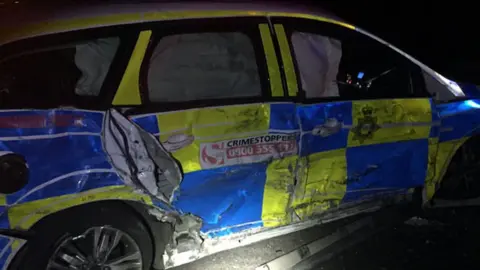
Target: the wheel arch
(137, 205)
(446, 153)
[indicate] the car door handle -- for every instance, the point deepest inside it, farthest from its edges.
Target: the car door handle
(331, 126)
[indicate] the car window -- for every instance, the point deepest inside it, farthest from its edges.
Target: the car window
(333, 61)
(203, 66)
(56, 76)
(436, 89)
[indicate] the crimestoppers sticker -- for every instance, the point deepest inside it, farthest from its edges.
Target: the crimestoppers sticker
(247, 150)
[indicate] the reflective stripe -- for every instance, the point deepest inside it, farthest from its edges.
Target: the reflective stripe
(389, 112)
(321, 182)
(445, 153)
(26, 214)
(128, 92)
(276, 194)
(287, 60)
(42, 187)
(273, 70)
(63, 25)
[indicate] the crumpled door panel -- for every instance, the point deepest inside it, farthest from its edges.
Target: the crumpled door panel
(139, 158)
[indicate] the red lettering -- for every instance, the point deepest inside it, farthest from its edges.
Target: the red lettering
(38, 121)
(30, 121)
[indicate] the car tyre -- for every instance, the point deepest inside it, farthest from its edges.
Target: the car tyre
(57, 237)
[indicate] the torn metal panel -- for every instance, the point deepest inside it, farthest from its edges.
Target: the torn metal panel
(139, 158)
(323, 184)
(278, 190)
(238, 162)
(321, 173)
(75, 171)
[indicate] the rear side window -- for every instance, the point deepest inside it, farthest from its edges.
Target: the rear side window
(335, 62)
(57, 75)
(203, 66)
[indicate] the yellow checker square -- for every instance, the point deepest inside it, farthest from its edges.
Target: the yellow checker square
(324, 185)
(445, 152)
(190, 128)
(24, 215)
(389, 120)
(276, 198)
(432, 168)
(3, 199)
(128, 92)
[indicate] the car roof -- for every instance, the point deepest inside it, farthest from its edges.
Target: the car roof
(19, 22)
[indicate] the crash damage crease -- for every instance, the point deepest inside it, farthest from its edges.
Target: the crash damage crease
(142, 162)
(139, 158)
(211, 246)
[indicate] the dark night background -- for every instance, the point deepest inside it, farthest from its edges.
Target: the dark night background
(444, 36)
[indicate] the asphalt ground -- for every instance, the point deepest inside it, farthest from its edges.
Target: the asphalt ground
(439, 239)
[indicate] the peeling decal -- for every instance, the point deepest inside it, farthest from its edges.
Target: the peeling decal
(177, 142)
(247, 150)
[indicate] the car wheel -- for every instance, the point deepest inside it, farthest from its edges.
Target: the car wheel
(98, 236)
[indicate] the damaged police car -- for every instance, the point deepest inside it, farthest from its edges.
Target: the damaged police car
(150, 135)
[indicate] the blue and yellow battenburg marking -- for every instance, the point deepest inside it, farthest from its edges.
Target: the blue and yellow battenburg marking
(350, 164)
(387, 146)
(231, 176)
(63, 150)
(459, 121)
(356, 162)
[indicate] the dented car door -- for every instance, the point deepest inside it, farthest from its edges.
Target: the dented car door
(321, 172)
(364, 113)
(209, 99)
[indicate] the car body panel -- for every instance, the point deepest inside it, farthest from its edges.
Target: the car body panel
(393, 157)
(247, 168)
(226, 154)
(68, 166)
(92, 16)
(459, 122)
(323, 170)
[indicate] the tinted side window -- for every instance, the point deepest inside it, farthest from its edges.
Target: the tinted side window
(333, 61)
(56, 76)
(207, 61)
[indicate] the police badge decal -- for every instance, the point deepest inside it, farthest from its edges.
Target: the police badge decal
(367, 125)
